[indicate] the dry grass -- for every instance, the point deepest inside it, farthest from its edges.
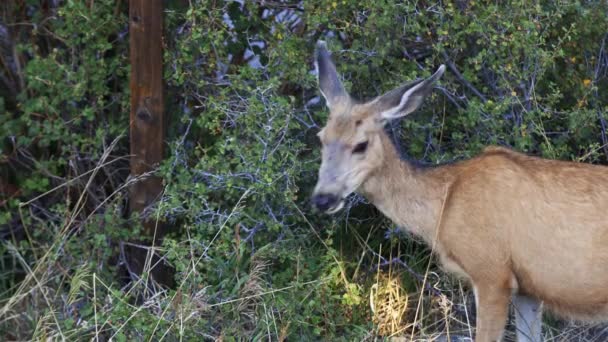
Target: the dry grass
(440, 309)
(388, 303)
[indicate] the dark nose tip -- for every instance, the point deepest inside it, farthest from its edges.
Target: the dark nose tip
(324, 202)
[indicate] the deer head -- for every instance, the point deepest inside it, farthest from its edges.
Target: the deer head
(351, 139)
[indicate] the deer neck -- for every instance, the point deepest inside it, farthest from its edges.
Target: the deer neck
(412, 197)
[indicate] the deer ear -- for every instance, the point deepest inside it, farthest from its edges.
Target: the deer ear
(405, 99)
(329, 83)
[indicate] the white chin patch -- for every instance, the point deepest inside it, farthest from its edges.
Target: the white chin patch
(336, 208)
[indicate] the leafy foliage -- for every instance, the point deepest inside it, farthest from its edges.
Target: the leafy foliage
(251, 260)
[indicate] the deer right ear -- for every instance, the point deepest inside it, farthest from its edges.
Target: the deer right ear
(329, 83)
(405, 99)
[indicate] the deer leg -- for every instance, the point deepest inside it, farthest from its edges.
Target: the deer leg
(492, 311)
(528, 318)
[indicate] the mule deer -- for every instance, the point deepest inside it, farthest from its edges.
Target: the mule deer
(515, 226)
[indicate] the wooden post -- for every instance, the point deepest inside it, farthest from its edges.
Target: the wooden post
(147, 122)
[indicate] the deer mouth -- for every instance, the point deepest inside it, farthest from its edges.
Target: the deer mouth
(336, 208)
(327, 202)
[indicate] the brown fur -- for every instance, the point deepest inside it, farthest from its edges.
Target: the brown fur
(507, 222)
(510, 215)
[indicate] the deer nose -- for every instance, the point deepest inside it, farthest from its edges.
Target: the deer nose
(324, 202)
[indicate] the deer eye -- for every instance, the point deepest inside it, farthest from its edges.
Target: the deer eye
(360, 147)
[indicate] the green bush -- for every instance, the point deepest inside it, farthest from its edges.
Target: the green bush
(251, 259)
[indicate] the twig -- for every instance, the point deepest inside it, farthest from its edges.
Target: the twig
(72, 180)
(410, 270)
(269, 292)
(164, 312)
(600, 115)
(461, 78)
(428, 266)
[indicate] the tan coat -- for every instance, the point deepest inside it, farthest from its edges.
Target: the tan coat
(511, 224)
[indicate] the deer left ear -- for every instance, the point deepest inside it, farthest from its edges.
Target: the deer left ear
(329, 81)
(406, 99)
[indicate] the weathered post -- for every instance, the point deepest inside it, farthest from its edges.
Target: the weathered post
(147, 122)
